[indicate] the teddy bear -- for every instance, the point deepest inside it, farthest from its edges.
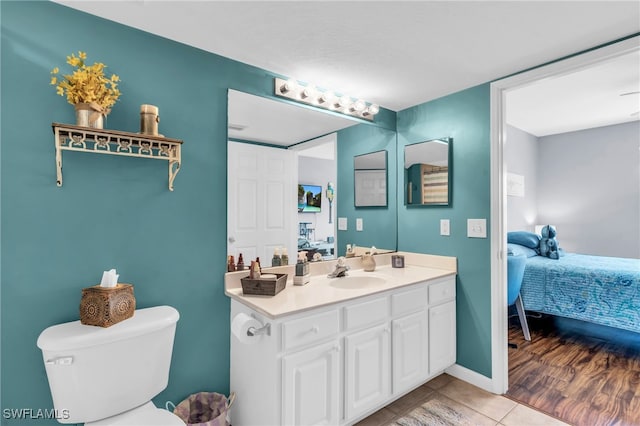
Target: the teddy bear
(548, 242)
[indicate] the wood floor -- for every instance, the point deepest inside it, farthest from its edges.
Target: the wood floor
(582, 374)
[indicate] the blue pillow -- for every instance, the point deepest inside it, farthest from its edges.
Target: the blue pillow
(524, 238)
(518, 250)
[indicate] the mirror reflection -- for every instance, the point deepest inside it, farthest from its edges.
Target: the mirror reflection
(370, 179)
(427, 173)
(275, 148)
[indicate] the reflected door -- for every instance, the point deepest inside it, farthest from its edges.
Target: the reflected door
(261, 199)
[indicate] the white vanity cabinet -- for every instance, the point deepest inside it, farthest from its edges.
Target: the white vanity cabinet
(311, 386)
(410, 351)
(367, 370)
(442, 326)
(336, 364)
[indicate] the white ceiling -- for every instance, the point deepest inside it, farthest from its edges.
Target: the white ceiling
(394, 53)
(604, 94)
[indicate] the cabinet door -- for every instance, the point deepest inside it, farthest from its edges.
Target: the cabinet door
(367, 370)
(410, 350)
(442, 336)
(311, 386)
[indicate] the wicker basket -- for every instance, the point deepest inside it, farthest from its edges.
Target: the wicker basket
(264, 287)
(105, 306)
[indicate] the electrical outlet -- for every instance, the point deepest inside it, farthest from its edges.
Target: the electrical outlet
(342, 224)
(359, 224)
(477, 228)
(444, 227)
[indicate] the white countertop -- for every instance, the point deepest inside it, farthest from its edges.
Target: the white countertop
(322, 291)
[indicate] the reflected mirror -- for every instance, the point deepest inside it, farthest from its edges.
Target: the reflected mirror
(427, 173)
(269, 139)
(370, 179)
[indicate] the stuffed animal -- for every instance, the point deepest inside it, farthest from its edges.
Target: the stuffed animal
(548, 243)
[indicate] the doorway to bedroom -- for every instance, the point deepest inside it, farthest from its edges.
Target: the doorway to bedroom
(526, 162)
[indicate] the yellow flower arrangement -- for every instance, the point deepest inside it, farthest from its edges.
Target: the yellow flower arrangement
(87, 84)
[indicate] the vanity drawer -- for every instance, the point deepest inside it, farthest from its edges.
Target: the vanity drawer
(442, 291)
(410, 300)
(310, 329)
(366, 313)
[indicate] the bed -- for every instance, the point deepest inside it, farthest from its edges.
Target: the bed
(597, 289)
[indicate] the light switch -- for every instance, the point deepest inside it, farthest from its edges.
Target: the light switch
(342, 224)
(359, 224)
(477, 228)
(444, 226)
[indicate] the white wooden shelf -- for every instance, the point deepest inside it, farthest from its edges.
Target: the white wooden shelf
(101, 141)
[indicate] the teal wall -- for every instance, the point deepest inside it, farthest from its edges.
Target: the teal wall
(465, 117)
(114, 212)
(379, 223)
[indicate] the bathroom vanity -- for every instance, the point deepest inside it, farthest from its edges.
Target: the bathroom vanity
(336, 350)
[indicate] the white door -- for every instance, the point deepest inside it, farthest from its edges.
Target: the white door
(442, 336)
(311, 386)
(261, 202)
(410, 351)
(367, 370)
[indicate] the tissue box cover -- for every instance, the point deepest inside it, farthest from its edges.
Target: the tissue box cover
(264, 287)
(105, 306)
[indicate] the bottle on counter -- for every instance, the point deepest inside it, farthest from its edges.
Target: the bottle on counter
(277, 260)
(240, 264)
(285, 257)
(231, 266)
(254, 270)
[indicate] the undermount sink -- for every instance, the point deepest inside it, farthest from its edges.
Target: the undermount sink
(357, 282)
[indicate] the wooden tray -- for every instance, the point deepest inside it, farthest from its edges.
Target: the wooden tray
(264, 287)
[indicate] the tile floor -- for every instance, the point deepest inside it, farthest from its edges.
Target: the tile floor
(482, 407)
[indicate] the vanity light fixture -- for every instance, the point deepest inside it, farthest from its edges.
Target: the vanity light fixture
(310, 95)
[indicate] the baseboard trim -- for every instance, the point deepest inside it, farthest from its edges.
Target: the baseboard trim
(476, 379)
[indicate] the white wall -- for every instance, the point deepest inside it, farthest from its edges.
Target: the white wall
(586, 183)
(316, 171)
(589, 188)
(521, 155)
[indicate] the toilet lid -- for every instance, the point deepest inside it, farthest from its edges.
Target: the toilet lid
(153, 417)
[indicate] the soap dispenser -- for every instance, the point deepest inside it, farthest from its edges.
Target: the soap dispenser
(302, 276)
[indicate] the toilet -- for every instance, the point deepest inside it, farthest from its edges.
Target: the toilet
(108, 376)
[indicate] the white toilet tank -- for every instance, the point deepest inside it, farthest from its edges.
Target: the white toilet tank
(96, 372)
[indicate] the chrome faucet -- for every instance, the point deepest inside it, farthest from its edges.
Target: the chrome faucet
(341, 268)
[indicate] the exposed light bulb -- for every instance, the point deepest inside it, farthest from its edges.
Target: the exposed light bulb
(288, 86)
(307, 92)
(359, 106)
(325, 98)
(344, 101)
(372, 109)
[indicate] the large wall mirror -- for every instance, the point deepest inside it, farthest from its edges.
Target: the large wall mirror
(427, 173)
(370, 179)
(275, 148)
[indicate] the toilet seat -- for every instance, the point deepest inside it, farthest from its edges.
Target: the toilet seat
(145, 415)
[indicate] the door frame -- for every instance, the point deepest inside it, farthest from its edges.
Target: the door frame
(498, 108)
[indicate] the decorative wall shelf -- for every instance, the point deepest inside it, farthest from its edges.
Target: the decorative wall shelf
(101, 141)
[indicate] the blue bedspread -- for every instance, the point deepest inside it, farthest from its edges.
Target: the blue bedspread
(602, 290)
